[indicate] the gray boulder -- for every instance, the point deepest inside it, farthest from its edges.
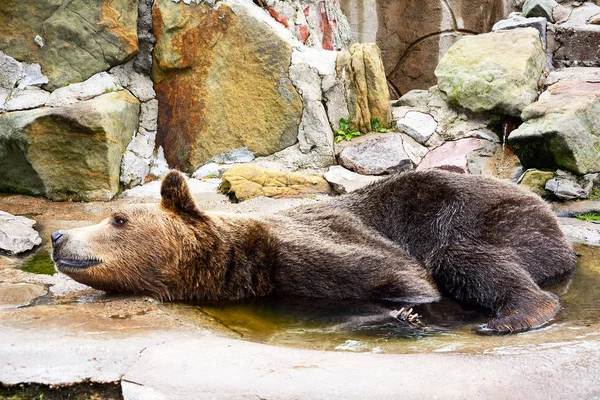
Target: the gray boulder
(25, 99)
(241, 155)
(381, 155)
(211, 170)
(17, 234)
(567, 186)
(417, 125)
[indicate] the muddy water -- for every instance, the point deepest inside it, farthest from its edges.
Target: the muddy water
(367, 327)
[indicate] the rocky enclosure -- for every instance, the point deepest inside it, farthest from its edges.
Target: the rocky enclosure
(102, 96)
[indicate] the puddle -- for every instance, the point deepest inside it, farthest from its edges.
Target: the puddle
(318, 324)
(367, 327)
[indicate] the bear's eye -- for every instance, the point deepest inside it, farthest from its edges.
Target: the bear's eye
(118, 221)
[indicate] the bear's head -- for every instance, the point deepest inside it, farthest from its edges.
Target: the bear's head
(140, 249)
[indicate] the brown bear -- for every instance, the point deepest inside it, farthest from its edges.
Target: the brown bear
(415, 235)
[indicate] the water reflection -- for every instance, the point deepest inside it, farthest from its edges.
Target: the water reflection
(367, 326)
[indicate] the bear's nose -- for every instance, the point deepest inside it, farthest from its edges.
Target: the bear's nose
(56, 237)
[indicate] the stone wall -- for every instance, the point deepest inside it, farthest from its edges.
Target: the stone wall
(150, 85)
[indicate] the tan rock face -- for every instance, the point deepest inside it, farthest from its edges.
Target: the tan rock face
(79, 38)
(244, 181)
(414, 35)
(367, 94)
(71, 152)
(495, 71)
(221, 79)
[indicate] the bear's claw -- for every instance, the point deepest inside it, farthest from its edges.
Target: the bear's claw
(407, 316)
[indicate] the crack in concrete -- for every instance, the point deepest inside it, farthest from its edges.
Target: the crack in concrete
(220, 322)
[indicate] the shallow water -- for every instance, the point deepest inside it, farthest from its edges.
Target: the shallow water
(367, 326)
(318, 324)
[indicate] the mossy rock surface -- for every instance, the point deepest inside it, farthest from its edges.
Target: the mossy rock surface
(68, 153)
(493, 72)
(80, 37)
(561, 129)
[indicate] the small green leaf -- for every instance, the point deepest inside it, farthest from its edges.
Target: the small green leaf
(344, 126)
(375, 124)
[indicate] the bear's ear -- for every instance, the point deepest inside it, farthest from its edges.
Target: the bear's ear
(176, 195)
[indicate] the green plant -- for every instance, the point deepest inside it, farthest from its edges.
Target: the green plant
(589, 217)
(40, 264)
(595, 194)
(376, 126)
(345, 132)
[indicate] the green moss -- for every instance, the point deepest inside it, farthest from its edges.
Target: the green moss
(595, 194)
(80, 391)
(589, 217)
(40, 264)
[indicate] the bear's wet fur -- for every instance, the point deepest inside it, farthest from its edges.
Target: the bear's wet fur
(412, 236)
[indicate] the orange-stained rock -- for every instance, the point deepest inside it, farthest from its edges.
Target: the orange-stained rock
(221, 79)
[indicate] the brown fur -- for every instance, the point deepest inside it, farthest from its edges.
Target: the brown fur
(479, 240)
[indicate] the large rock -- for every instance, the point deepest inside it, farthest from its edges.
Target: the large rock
(376, 156)
(72, 152)
(77, 38)
(497, 71)
(367, 94)
(17, 234)
(561, 129)
(244, 181)
(221, 80)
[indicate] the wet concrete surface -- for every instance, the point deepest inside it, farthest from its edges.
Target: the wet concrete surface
(72, 333)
